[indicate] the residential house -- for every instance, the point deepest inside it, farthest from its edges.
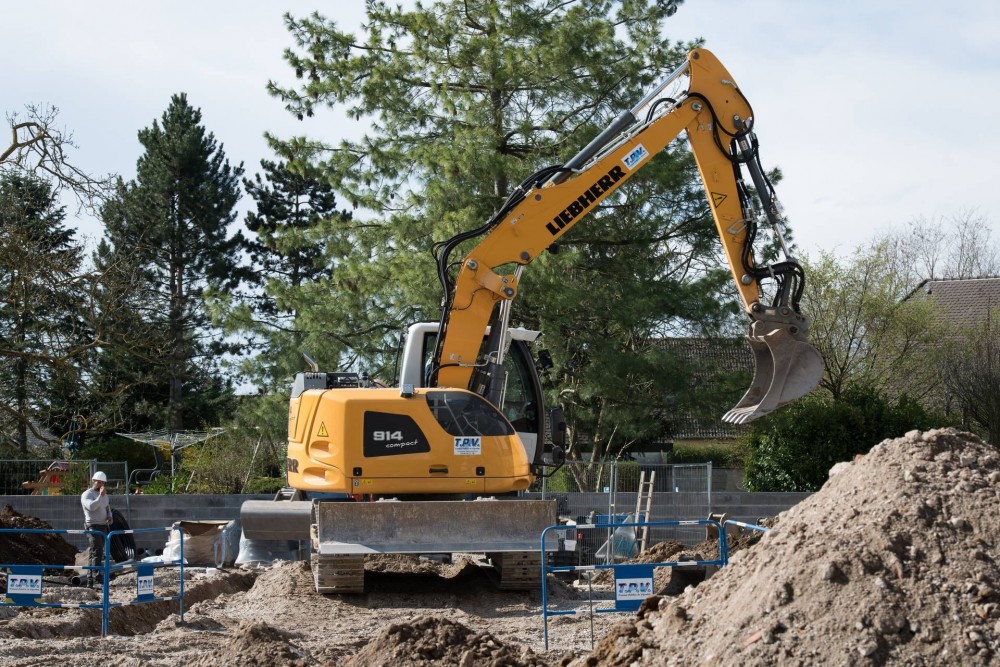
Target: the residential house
(962, 305)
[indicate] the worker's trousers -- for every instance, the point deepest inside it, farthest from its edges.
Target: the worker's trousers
(96, 548)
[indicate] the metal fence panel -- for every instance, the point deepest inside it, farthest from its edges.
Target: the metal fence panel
(679, 492)
(18, 477)
(27, 476)
(117, 472)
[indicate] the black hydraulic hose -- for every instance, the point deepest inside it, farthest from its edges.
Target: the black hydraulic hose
(624, 120)
(652, 107)
(444, 249)
(717, 127)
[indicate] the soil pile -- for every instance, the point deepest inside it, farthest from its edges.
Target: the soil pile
(661, 552)
(32, 548)
(893, 561)
(674, 580)
(432, 640)
(256, 644)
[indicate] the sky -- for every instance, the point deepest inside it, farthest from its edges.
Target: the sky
(878, 112)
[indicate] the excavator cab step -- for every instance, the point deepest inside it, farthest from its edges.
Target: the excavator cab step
(288, 493)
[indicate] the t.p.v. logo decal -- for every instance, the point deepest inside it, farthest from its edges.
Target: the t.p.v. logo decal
(468, 446)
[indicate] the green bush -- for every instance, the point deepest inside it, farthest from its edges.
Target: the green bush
(165, 485)
(720, 456)
(75, 480)
(794, 448)
(562, 481)
(264, 485)
(116, 448)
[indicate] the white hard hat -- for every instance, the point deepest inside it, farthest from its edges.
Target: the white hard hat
(100, 477)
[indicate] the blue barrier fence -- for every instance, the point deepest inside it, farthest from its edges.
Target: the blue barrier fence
(725, 537)
(633, 582)
(25, 582)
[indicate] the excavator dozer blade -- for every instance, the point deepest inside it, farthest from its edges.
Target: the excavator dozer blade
(416, 527)
(786, 367)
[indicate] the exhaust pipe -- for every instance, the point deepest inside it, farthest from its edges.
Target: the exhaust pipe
(786, 366)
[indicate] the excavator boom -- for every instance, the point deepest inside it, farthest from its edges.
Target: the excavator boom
(718, 121)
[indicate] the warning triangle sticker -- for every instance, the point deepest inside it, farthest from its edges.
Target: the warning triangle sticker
(717, 199)
(322, 431)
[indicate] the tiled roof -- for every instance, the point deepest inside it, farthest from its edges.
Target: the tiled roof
(962, 301)
(710, 362)
(711, 354)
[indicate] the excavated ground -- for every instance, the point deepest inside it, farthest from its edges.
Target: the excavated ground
(892, 562)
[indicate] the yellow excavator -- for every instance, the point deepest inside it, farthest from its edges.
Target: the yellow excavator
(433, 466)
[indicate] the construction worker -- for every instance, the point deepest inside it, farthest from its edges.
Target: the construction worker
(96, 517)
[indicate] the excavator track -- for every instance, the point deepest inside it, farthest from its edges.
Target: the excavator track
(518, 570)
(336, 573)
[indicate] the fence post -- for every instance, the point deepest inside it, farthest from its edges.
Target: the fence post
(709, 485)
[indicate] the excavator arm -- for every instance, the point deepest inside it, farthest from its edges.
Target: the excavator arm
(718, 122)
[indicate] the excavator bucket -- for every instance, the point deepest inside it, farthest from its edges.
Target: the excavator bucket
(786, 367)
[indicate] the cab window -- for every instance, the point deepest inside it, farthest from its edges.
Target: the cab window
(464, 413)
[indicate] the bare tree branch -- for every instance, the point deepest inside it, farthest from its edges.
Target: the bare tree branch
(39, 147)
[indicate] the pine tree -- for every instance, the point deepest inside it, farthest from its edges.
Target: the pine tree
(42, 331)
(173, 222)
(288, 256)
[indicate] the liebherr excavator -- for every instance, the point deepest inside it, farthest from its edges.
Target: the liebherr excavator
(433, 466)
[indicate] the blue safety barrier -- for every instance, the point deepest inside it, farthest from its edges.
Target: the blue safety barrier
(633, 582)
(725, 538)
(25, 582)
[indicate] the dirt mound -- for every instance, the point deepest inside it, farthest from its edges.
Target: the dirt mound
(256, 644)
(432, 640)
(661, 552)
(125, 620)
(32, 548)
(283, 579)
(893, 561)
(406, 564)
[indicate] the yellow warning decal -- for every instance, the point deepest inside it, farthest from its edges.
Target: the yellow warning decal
(322, 431)
(717, 199)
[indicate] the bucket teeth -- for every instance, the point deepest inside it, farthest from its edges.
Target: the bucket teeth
(786, 367)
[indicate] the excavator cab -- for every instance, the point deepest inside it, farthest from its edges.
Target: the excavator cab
(513, 385)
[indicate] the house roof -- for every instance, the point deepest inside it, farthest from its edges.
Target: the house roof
(962, 301)
(710, 362)
(711, 354)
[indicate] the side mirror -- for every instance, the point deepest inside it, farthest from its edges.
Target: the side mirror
(558, 456)
(545, 360)
(557, 429)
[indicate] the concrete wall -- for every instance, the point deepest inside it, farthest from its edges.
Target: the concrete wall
(739, 505)
(155, 511)
(141, 511)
